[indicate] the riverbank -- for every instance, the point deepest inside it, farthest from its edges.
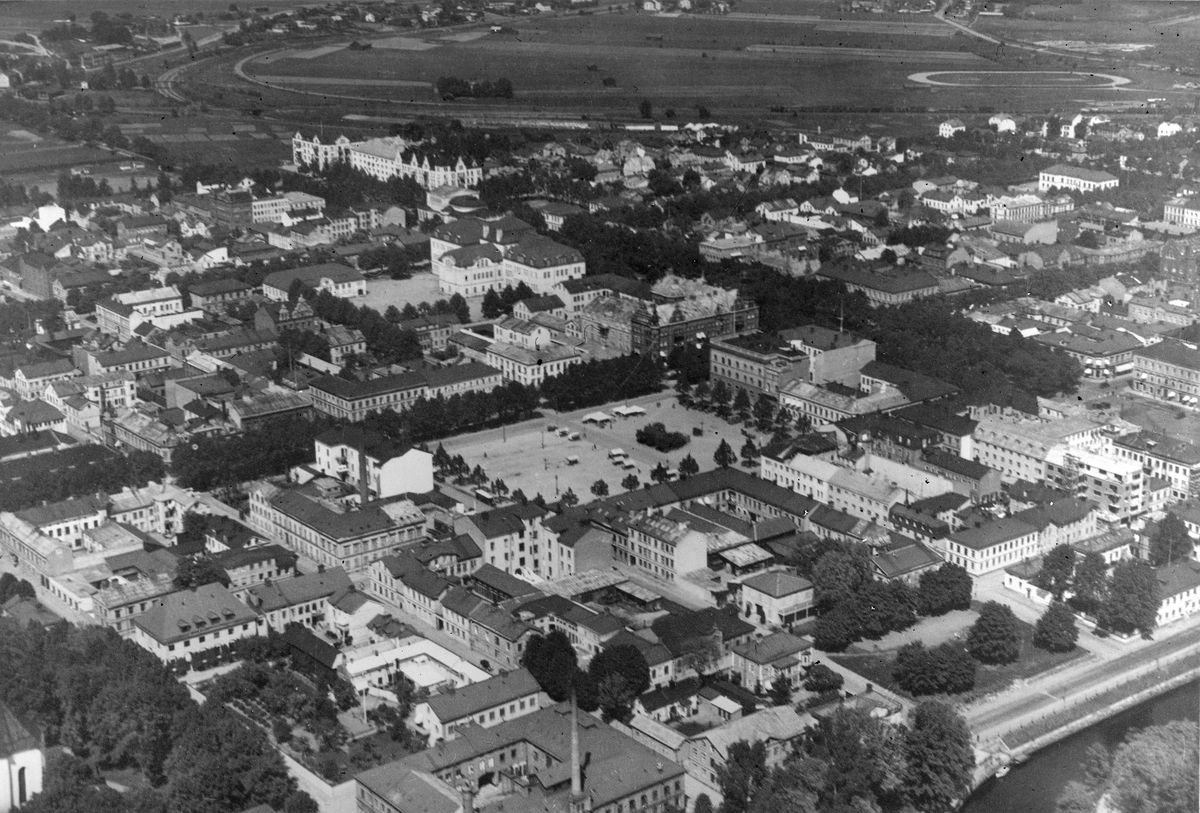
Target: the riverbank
(1035, 785)
(1090, 707)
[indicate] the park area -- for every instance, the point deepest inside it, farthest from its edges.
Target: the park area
(874, 660)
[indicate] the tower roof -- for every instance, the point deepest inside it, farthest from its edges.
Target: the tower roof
(16, 735)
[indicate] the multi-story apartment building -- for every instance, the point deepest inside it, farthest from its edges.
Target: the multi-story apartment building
(391, 469)
(514, 540)
(1161, 455)
(1019, 446)
(756, 363)
(352, 400)
(662, 547)
(1168, 371)
(121, 314)
(991, 546)
(531, 367)
(486, 704)
(331, 527)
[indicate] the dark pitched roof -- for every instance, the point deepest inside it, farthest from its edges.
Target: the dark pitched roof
(496, 579)
(488, 694)
(303, 640)
(16, 734)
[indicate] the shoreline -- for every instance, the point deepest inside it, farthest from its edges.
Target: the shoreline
(1112, 701)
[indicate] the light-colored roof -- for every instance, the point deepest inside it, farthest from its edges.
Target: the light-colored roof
(478, 697)
(779, 723)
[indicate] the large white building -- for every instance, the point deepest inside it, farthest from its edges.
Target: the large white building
(1081, 179)
(386, 158)
(471, 257)
(186, 624)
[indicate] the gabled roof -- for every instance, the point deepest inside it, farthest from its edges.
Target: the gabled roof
(284, 593)
(773, 648)
(187, 613)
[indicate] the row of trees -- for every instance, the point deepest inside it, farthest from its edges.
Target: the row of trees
(450, 87)
(1123, 601)
(77, 472)
(854, 762)
(596, 382)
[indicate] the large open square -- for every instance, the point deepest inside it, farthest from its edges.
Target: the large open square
(534, 460)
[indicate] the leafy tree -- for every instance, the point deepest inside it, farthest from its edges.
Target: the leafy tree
(1155, 770)
(492, 306)
(742, 774)
(658, 436)
(688, 466)
(620, 674)
(197, 571)
(1058, 567)
(721, 396)
(741, 403)
(724, 456)
(939, 757)
(460, 308)
(781, 690)
(821, 679)
(764, 413)
(568, 498)
(219, 763)
(835, 630)
(600, 488)
(838, 575)
(703, 804)
(552, 661)
(660, 473)
(11, 586)
(1133, 599)
(945, 669)
(945, 589)
(1076, 797)
(863, 757)
(631, 482)
(1055, 630)
(995, 637)
(1170, 542)
(300, 802)
(1090, 584)
(1097, 764)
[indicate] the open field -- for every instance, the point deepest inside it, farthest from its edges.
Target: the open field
(24, 156)
(604, 65)
(400, 292)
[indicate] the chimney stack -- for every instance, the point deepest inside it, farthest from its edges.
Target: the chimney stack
(576, 777)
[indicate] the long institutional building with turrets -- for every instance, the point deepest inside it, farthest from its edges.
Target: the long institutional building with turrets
(386, 158)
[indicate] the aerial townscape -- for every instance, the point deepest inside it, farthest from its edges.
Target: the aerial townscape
(857, 341)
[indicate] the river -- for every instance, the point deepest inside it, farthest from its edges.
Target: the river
(1034, 786)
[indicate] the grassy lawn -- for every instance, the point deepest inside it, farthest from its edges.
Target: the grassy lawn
(876, 667)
